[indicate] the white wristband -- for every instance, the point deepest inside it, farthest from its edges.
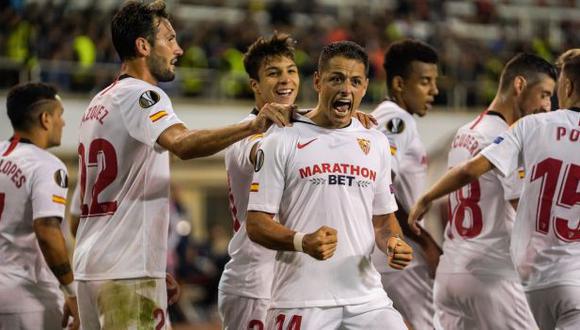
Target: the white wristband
(70, 290)
(298, 238)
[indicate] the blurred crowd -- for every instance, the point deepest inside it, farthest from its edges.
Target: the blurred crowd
(73, 43)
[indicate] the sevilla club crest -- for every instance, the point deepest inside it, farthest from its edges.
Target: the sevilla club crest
(365, 145)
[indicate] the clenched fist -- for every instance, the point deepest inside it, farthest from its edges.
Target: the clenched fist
(399, 253)
(320, 244)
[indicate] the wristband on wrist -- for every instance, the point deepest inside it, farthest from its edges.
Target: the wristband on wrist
(297, 240)
(70, 290)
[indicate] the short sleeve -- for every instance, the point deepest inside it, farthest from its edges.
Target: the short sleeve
(269, 174)
(504, 152)
(384, 201)
(399, 134)
(512, 184)
(240, 152)
(48, 190)
(147, 114)
(75, 202)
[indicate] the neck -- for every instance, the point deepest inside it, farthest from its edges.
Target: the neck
(137, 68)
(398, 100)
(506, 106)
(37, 138)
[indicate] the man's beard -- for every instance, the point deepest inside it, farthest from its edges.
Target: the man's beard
(156, 66)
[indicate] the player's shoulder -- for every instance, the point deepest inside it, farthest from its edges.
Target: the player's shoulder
(392, 119)
(139, 91)
(484, 127)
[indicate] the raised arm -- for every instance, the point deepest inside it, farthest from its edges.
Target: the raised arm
(263, 230)
(454, 179)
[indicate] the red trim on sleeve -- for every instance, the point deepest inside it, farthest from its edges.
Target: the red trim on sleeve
(13, 143)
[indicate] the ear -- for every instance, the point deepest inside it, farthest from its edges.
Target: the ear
(398, 84)
(254, 86)
(142, 46)
(568, 87)
(317, 81)
(44, 120)
(519, 84)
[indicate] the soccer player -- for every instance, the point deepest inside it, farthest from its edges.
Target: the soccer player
(244, 289)
(477, 286)
(33, 187)
(411, 68)
(545, 241)
(126, 131)
(328, 180)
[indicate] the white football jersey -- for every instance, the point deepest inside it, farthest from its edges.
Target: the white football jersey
(124, 178)
(546, 239)
(74, 207)
(409, 166)
(477, 237)
(312, 176)
(33, 185)
(250, 269)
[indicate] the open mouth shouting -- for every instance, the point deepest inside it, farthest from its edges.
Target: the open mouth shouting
(342, 107)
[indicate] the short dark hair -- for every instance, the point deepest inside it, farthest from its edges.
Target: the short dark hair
(280, 44)
(529, 66)
(571, 70)
(348, 49)
(23, 102)
(401, 54)
(135, 20)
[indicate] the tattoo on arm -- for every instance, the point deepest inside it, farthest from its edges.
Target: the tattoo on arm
(61, 270)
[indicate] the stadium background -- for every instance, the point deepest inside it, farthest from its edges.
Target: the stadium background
(67, 43)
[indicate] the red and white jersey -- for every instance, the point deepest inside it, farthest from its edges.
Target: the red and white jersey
(312, 176)
(124, 179)
(250, 269)
(477, 237)
(33, 185)
(409, 166)
(546, 239)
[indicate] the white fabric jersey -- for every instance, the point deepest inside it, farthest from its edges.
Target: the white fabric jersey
(33, 185)
(124, 179)
(312, 176)
(546, 240)
(409, 166)
(249, 271)
(74, 207)
(477, 238)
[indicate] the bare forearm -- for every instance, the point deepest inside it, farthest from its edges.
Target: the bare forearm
(53, 247)
(201, 143)
(386, 226)
(263, 230)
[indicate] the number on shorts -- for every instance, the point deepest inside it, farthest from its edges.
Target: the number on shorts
(548, 171)
(294, 324)
(91, 207)
(465, 203)
(159, 317)
(256, 325)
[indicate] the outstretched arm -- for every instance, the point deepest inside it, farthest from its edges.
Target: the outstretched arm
(454, 179)
(263, 230)
(187, 144)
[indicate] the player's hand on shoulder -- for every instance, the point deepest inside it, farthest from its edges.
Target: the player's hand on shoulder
(367, 120)
(320, 244)
(71, 310)
(273, 113)
(399, 253)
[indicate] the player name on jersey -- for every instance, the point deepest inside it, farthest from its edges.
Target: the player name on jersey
(12, 170)
(97, 112)
(466, 141)
(564, 132)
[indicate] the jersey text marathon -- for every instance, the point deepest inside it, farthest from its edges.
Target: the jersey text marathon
(338, 168)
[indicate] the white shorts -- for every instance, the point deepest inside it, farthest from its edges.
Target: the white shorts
(123, 304)
(237, 312)
(374, 315)
(411, 290)
(465, 301)
(49, 319)
(556, 307)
